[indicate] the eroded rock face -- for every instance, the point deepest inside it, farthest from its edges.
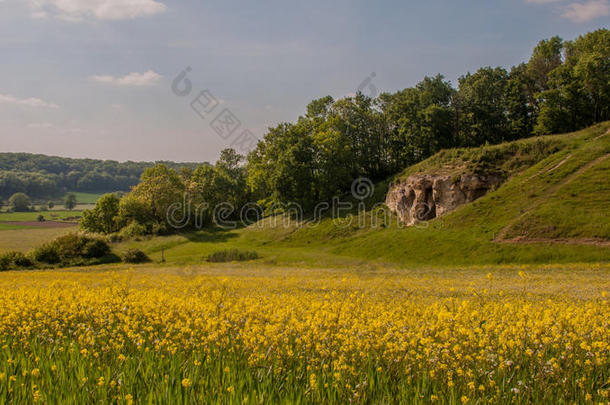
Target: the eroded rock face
(422, 197)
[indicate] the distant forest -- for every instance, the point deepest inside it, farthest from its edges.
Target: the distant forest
(41, 176)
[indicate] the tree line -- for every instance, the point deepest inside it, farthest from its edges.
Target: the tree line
(41, 176)
(563, 87)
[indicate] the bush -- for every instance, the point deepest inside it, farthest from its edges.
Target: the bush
(5, 262)
(11, 260)
(40, 218)
(135, 256)
(70, 201)
(71, 249)
(47, 253)
(19, 202)
(115, 237)
(232, 255)
(133, 230)
(96, 248)
(22, 260)
(70, 246)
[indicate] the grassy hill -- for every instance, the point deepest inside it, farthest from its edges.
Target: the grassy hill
(552, 207)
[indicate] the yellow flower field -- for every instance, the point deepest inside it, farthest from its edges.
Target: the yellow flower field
(243, 335)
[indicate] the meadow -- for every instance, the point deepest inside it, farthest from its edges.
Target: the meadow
(21, 231)
(256, 333)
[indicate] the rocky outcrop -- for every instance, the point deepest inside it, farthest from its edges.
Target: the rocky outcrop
(422, 197)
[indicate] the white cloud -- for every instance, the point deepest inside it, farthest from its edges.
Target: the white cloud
(148, 78)
(582, 12)
(78, 10)
(26, 102)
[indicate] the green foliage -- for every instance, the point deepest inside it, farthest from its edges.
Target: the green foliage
(481, 102)
(70, 201)
(104, 217)
(43, 176)
(95, 248)
(134, 209)
(135, 256)
(159, 188)
(14, 260)
(577, 92)
(544, 195)
(72, 249)
(209, 186)
(319, 155)
(47, 253)
(231, 255)
(19, 202)
(5, 262)
(133, 230)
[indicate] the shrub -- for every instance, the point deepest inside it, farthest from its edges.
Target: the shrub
(40, 218)
(70, 246)
(70, 201)
(14, 259)
(6, 261)
(47, 253)
(19, 202)
(232, 255)
(115, 237)
(135, 256)
(71, 249)
(22, 260)
(132, 230)
(95, 248)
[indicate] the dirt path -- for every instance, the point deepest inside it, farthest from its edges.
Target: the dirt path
(500, 237)
(604, 134)
(557, 166)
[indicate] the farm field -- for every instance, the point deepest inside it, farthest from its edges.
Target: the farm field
(84, 198)
(23, 239)
(195, 210)
(255, 333)
(53, 215)
(21, 231)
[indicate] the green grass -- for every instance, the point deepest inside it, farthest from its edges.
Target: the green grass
(54, 215)
(9, 227)
(84, 198)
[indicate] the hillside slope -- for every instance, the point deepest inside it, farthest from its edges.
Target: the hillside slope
(551, 207)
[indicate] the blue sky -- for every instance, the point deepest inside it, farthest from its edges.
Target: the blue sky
(92, 78)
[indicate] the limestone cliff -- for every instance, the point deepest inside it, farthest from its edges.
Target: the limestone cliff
(422, 197)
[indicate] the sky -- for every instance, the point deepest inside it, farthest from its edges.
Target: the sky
(102, 78)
